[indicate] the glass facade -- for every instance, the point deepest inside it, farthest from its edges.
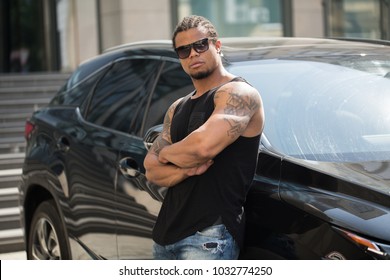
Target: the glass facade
(44, 35)
(358, 18)
(385, 19)
(238, 18)
(28, 38)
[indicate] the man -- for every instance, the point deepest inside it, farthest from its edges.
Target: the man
(206, 154)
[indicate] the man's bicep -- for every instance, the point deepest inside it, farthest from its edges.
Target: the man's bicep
(240, 101)
(223, 128)
(234, 109)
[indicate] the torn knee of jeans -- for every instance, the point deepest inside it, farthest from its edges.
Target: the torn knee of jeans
(214, 247)
(210, 245)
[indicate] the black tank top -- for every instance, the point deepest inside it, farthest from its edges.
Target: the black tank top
(219, 193)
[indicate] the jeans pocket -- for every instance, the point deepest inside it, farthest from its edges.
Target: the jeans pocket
(216, 231)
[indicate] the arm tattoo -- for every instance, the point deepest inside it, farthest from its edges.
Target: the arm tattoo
(166, 133)
(164, 139)
(236, 128)
(158, 144)
(239, 105)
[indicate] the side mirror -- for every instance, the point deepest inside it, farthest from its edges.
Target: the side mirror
(151, 135)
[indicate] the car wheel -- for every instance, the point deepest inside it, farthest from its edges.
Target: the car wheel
(46, 239)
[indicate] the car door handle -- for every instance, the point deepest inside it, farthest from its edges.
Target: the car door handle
(129, 167)
(63, 144)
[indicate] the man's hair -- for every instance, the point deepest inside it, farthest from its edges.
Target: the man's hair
(194, 22)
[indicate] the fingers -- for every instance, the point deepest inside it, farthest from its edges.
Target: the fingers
(203, 168)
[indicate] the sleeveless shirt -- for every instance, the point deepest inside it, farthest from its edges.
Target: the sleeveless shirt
(219, 193)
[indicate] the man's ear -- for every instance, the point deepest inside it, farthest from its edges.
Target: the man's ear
(218, 46)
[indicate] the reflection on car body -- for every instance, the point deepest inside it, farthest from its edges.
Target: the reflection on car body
(322, 184)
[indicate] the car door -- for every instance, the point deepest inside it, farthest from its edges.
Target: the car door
(134, 238)
(116, 104)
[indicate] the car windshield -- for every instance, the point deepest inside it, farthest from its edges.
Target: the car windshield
(322, 111)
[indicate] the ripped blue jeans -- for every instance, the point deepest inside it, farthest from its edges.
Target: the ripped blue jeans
(212, 243)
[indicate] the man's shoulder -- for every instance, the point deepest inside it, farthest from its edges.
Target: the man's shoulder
(179, 102)
(239, 87)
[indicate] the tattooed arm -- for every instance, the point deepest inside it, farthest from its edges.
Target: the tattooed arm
(238, 112)
(167, 174)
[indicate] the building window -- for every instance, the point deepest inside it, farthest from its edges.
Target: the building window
(385, 19)
(238, 18)
(30, 38)
(357, 18)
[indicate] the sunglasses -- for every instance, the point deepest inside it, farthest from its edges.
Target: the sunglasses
(199, 46)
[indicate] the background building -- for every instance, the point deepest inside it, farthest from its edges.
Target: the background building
(49, 38)
(56, 35)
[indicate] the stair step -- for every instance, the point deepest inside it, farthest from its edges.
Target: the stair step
(11, 133)
(20, 96)
(14, 147)
(9, 201)
(26, 102)
(14, 116)
(12, 140)
(10, 172)
(9, 218)
(15, 80)
(9, 181)
(6, 164)
(11, 156)
(22, 110)
(28, 90)
(10, 124)
(11, 240)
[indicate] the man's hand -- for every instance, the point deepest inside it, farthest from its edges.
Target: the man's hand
(198, 170)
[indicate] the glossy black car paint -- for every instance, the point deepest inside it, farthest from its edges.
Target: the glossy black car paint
(93, 175)
(303, 209)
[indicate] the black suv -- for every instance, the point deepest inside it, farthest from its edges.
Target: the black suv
(318, 191)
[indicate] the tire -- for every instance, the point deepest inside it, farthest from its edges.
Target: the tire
(46, 240)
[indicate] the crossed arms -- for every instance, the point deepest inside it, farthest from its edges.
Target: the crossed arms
(238, 112)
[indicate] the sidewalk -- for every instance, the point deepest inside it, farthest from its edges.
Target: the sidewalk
(14, 256)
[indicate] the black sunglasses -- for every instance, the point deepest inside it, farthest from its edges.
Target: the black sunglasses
(199, 46)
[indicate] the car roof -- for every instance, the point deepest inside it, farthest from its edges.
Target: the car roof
(259, 42)
(237, 49)
(252, 48)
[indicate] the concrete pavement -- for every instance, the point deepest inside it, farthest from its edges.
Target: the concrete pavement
(14, 256)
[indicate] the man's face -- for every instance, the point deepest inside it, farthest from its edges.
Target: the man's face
(198, 65)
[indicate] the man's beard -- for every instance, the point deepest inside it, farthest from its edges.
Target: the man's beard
(201, 75)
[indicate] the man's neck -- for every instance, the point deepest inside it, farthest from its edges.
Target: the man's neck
(215, 79)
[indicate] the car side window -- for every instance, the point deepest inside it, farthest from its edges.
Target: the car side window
(120, 98)
(74, 96)
(172, 84)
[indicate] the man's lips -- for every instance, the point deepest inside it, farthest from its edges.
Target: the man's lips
(196, 64)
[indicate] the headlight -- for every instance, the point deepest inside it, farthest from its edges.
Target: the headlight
(375, 249)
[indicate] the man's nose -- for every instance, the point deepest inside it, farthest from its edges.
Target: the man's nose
(193, 52)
